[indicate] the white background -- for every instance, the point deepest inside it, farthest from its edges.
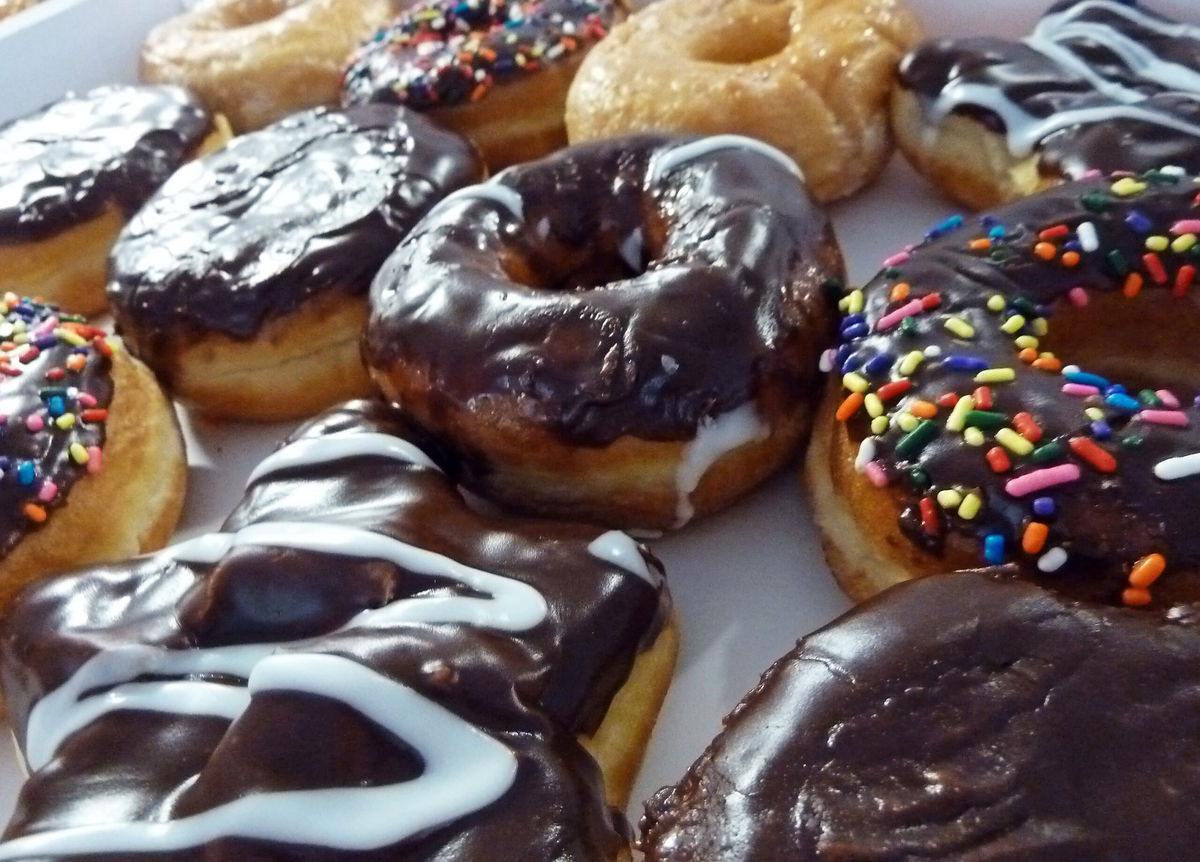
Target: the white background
(747, 582)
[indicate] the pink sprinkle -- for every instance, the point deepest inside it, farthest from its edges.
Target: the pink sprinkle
(874, 472)
(35, 422)
(10, 371)
(1078, 296)
(94, 459)
(1164, 417)
(1189, 225)
(1081, 390)
(1039, 480)
(1090, 175)
(1167, 397)
(893, 317)
(87, 399)
(47, 492)
(46, 326)
(896, 259)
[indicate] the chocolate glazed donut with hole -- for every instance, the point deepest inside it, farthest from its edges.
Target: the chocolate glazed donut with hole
(624, 332)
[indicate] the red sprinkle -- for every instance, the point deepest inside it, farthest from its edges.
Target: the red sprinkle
(1184, 279)
(888, 391)
(102, 346)
(947, 400)
(1027, 427)
(929, 517)
(1054, 232)
(1088, 450)
(983, 398)
(96, 415)
(998, 460)
(1155, 268)
(55, 374)
(931, 300)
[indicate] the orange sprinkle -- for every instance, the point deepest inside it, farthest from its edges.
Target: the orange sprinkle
(1135, 598)
(1070, 259)
(1034, 537)
(850, 406)
(982, 244)
(1045, 251)
(1027, 355)
(1048, 363)
(924, 409)
(899, 292)
(1133, 284)
(35, 513)
(1146, 570)
(76, 361)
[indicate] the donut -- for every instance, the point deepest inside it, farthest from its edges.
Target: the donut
(1020, 388)
(358, 665)
(1099, 85)
(256, 61)
(959, 717)
(636, 360)
(810, 78)
(242, 282)
(12, 7)
(72, 174)
(496, 71)
(91, 459)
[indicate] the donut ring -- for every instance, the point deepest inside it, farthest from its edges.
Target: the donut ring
(496, 71)
(256, 61)
(635, 361)
(811, 78)
(1019, 388)
(1099, 85)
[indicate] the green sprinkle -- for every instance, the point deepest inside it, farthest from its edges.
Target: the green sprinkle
(986, 419)
(1050, 452)
(914, 441)
(1117, 262)
(1096, 202)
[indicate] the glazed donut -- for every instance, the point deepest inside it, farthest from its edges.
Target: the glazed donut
(358, 666)
(73, 173)
(959, 717)
(12, 7)
(91, 459)
(242, 283)
(811, 78)
(634, 361)
(256, 61)
(496, 71)
(1020, 388)
(1098, 85)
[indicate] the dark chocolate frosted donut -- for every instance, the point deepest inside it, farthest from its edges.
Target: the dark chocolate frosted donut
(1098, 85)
(1021, 387)
(595, 331)
(957, 717)
(264, 248)
(358, 666)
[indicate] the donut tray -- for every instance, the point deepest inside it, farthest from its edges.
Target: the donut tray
(748, 582)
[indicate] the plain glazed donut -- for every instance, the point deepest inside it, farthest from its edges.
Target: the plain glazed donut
(1098, 85)
(496, 71)
(960, 717)
(811, 78)
(1019, 388)
(242, 283)
(624, 332)
(358, 666)
(256, 61)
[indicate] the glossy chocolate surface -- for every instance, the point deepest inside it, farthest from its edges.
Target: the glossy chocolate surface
(959, 717)
(532, 689)
(1106, 518)
(314, 202)
(1104, 63)
(112, 146)
(616, 301)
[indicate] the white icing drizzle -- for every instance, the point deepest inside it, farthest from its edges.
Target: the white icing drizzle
(714, 438)
(336, 447)
(619, 549)
(505, 197)
(666, 161)
(631, 249)
(1024, 130)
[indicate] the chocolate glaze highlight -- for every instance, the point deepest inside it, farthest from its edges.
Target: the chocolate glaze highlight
(541, 645)
(316, 201)
(112, 146)
(611, 300)
(956, 717)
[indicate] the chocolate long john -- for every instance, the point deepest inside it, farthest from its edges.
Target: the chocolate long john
(358, 666)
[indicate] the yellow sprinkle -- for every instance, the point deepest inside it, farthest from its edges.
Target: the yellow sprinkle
(959, 327)
(907, 421)
(1093, 413)
(1040, 326)
(970, 507)
(910, 362)
(995, 375)
(974, 436)
(1127, 186)
(1014, 442)
(995, 302)
(879, 425)
(65, 421)
(1045, 354)
(949, 498)
(78, 453)
(854, 302)
(71, 337)
(855, 382)
(1026, 341)
(873, 404)
(21, 338)
(1013, 325)
(1157, 243)
(957, 420)
(115, 343)
(1183, 243)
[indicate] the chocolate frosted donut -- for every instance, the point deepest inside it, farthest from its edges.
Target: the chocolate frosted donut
(625, 331)
(959, 717)
(72, 173)
(1099, 85)
(358, 666)
(240, 283)
(1021, 387)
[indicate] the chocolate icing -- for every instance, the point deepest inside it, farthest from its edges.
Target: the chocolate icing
(313, 202)
(956, 717)
(36, 385)
(1024, 77)
(1104, 521)
(530, 688)
(616, 303)
(112, 146)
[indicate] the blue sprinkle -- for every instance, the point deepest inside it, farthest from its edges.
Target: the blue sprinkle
(843, 352)
(880, 364)
(25, 473)
(852, 320)
(1116, 388)
(1101, 430)
(44, 341)
(853, 362)
(56, 407)
(987, 220)
(858, 330)
(1123, 402)
(1087, 379)
(5, 462)
(997, 232)
(1044, 507)
(1072, 245)
(944, 227)
(993, 548)
(958, 362)
(1138, 222)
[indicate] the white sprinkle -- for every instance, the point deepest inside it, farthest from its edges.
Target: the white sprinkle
(1171, 469)
(1052, 560)
(1088, 240)
(933, 351)
(866, 454)
(826, 364)
(1071, 369)
(1172, 171)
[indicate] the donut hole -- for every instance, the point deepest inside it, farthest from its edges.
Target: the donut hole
(554, 266)
(760, 37)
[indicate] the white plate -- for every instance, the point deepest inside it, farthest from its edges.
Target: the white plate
(748, 582)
